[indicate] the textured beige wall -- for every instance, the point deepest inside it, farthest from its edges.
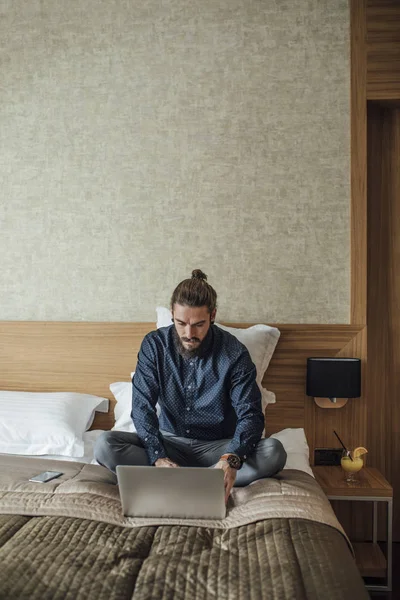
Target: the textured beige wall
(142, 139)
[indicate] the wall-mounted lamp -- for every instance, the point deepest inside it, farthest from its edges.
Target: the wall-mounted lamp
(331, 381)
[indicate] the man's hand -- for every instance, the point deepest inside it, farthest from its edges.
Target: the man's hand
(229, 477)
(165, 462)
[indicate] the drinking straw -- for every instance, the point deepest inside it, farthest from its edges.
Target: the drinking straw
(348, 453)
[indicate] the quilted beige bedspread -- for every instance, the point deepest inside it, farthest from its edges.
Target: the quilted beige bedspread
(68, 539)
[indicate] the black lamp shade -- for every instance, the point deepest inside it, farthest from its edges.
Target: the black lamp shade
(334, 377)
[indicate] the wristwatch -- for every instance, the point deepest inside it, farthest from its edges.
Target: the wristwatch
(233, 460)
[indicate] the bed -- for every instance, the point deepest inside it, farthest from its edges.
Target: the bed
(69, 539)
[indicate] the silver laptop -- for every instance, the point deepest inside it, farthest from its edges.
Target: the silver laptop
(182, 493)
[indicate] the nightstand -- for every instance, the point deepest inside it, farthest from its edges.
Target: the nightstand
(372, 487)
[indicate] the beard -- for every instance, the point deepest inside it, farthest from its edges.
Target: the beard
(185, 352)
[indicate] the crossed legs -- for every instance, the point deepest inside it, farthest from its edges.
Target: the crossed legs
(122, 448)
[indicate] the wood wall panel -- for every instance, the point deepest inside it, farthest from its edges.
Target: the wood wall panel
(384, 296)
(351, 424)
(87, 357)
(394, 291)
(383, 50)
(394, 299)
(286, 376)
(350, 421)
(82, 357)
(379, 129)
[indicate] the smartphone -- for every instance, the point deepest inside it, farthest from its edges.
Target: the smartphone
(46, 476)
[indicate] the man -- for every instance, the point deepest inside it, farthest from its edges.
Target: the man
(205, 383)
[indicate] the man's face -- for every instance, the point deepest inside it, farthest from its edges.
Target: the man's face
(192, 324)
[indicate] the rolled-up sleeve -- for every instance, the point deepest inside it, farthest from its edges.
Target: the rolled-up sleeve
(246, 401)
(145, 392)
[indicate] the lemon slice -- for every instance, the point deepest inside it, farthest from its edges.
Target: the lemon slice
(359, 452)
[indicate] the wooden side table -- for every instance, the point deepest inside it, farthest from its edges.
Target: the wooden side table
(371, 487)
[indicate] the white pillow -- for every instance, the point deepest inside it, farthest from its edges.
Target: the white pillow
(298, 453)
(260, 341)
(46, 423)
(122, 392)
(164, 317)
(89, 440)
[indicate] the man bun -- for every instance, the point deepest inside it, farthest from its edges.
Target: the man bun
(198, 274)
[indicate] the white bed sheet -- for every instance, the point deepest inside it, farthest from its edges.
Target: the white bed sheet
(89, 438)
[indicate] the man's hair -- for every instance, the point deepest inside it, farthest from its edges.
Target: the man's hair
(195, 292)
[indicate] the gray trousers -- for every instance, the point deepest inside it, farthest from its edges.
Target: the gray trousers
(114, 448)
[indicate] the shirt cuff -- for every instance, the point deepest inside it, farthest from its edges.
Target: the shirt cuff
(242, 452)
(155, 452)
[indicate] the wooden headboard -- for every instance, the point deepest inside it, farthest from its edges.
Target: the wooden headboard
(87, 357)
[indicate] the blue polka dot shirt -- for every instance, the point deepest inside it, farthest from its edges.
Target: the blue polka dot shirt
(209, 397)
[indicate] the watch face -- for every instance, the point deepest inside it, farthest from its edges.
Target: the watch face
(234, 461)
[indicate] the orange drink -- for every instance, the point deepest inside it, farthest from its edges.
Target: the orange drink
(352, 463)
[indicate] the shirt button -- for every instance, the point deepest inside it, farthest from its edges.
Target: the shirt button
(245, 457)
(145, 439)
(188, 408)
(187, 430)
(156, 452)
(189, 387)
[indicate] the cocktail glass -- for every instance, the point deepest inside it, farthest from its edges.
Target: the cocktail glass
(351, 466)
